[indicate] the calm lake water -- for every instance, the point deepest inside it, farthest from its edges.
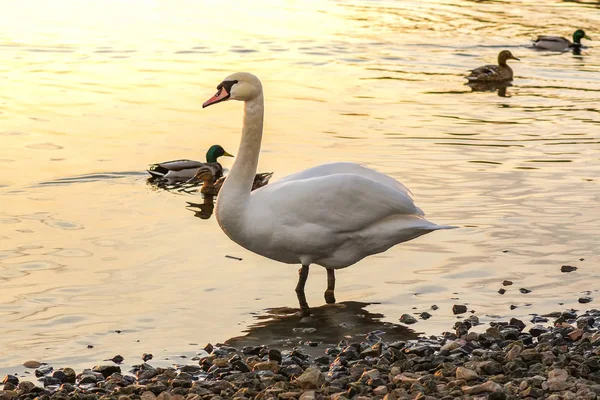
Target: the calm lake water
(93, 92)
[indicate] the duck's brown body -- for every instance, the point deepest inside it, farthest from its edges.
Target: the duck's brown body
(494, 73)
(212, 187)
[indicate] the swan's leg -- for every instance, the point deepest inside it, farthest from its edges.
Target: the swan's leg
(329, 295)
(302, 277)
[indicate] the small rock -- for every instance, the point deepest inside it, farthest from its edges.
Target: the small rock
(489, 386)
(221, 362)
(266, 366)
(88, 378)
(568, 268)
(501, 291)
(459, 309)
(408, 319)
(513, 307)
(576, 334)
(513, 353)
(370, 374)
(584, 299)
(107, 370)
(537, 319)
(147, 357)
(524, 291)
(60, 375)
(7, 394)
(70, 373)
(425, 315)
(50, 381)
(292, 371)
(208, 348)
(32, 364)
(465, 373)
(26, 386)
(10, 379)
(164, 396)
(312, 378)
(43, 370)
(518, 323)
(507, 283)
(434, 307)
(308, 395)
(118, 359)
(557, 380)
(148, 396)
(453, 345)
(275, 355)
(380, 390)
(373, 351)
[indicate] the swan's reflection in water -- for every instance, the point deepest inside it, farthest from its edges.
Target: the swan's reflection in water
(501, 87)
(286, 327)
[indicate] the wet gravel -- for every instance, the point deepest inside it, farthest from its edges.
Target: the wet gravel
(557, 358)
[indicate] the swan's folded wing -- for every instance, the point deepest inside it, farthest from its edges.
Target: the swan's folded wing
(339, 202)
(346, 168)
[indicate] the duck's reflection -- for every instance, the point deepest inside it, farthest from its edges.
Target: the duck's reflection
(173, 185)
(327, 325)
(199, 185)
(203, 210)
(501, 87)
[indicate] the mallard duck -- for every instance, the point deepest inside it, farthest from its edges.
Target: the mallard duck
(186, 169)
(494, 73)
(212, 188)
(558, 43)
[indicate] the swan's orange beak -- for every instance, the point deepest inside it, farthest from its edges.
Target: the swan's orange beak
(221, 95)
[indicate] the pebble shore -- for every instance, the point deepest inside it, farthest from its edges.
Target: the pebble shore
(557, 358)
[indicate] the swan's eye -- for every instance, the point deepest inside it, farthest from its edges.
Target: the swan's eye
(236, 81)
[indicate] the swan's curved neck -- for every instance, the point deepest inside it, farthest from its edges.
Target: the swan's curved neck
(238, 185)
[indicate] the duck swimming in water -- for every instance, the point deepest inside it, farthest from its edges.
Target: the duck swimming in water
(494, 73)
(558, 43)
(186, 169)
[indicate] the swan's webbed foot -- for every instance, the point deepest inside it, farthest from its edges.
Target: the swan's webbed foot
(329, 293)
(302, 277)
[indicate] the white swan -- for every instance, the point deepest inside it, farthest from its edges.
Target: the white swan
(332, 215)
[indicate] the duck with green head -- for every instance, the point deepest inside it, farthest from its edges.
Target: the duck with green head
(558, 43)
(494, 73)
(186, 169)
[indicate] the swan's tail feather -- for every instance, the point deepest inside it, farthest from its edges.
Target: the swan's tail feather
(435, 227)
(440, 227)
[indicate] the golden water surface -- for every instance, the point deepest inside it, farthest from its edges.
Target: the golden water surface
(92, 92)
